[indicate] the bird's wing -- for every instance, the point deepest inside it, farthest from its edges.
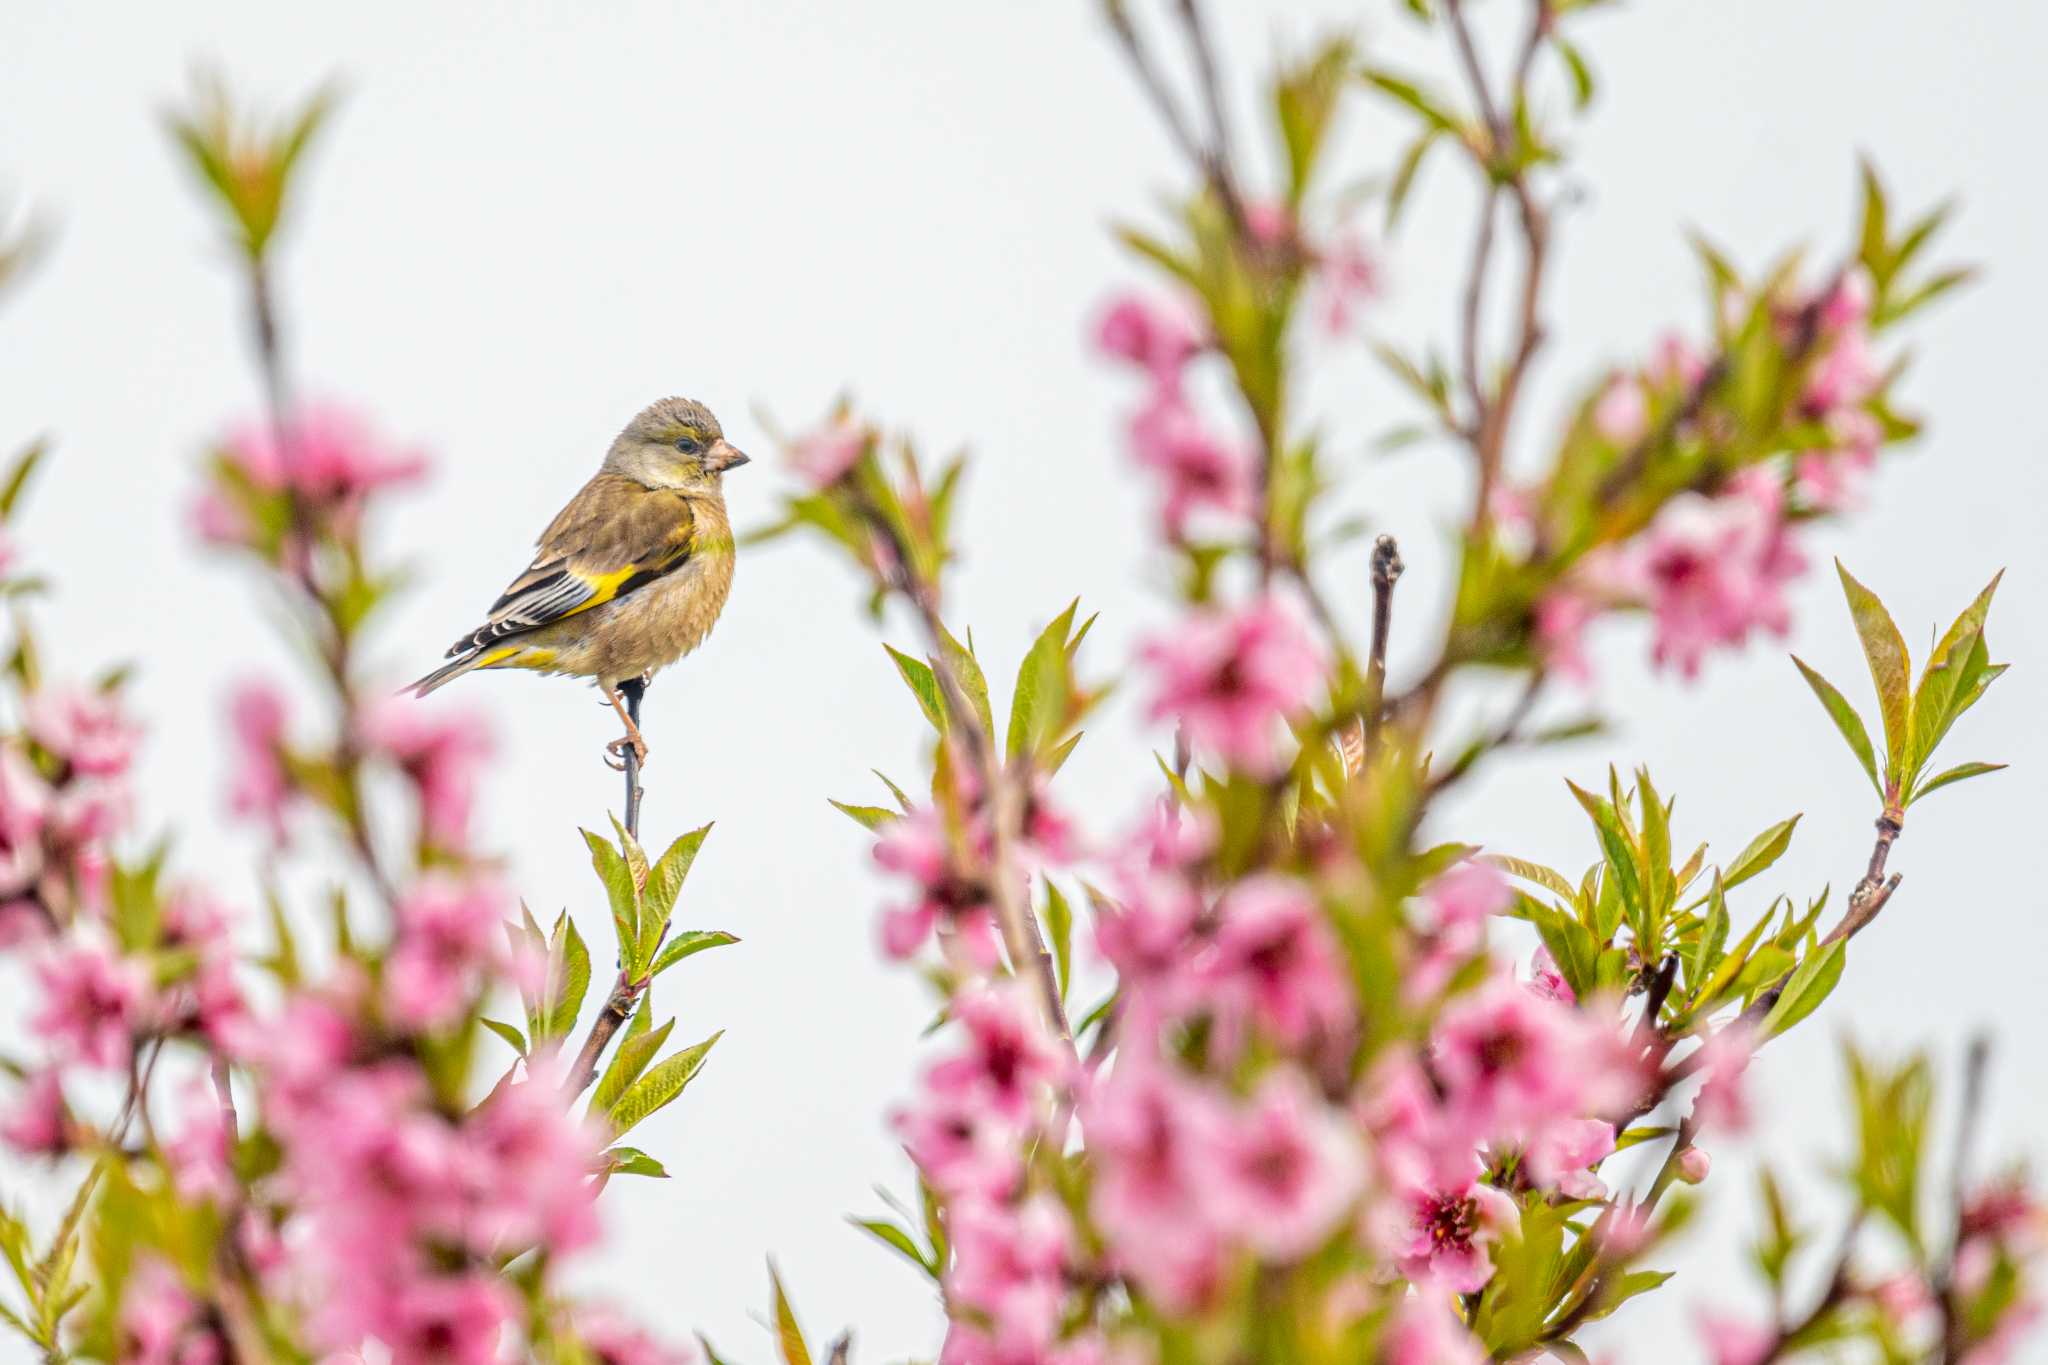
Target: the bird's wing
(614, 537)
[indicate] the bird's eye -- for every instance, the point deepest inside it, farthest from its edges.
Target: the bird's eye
(689, 445)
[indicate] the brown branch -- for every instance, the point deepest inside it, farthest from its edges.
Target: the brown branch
(618, 1008)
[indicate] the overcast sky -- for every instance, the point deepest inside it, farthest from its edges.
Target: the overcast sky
(529, 220)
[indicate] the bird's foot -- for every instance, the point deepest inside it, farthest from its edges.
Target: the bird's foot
(616, 751)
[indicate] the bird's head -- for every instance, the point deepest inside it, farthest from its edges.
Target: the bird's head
(674, 443)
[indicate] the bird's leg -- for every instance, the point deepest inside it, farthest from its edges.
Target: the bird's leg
(632, 740)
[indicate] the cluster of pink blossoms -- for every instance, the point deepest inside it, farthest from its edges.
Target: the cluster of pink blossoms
(1230, 675)
(63, 795)
(323, 466)
(1713, 569)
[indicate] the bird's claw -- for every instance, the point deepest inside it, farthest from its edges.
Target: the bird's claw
(617, 750)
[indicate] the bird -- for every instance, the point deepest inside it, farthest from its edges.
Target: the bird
(629, 577)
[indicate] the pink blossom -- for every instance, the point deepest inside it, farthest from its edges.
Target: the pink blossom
(1148, 932)
(1158, 336)
(1147, 1128)
(1736, 1341)
(1287, 1168)
(1562, 616)
(1714, 569)
(1200, 469)
(160, 1322)
(1450, 1224)
(1904, 1298)
(452, 1320)
(1694, 1165)
(1509, 1062)
(1470, 892)
(1622, 413)
(36, 1123)
(1845, 376)
(1546, 981)
(524, 1161)
(328, 455)
(1275, 961)
(24, 809)
(1271, 223)
(89, 810)
(919, 846)
(1562, 1150)
(1010, 1064)
(198, 1154)
(94, 1001)
(1347, 277)
(1848, 303)
(448, 931)
(822, 457)
(963, 1151)
(1723, 1101)
(1425, 1330)
(615, 1340)
(262, 789)
(443, 754)
(1009, 1262)
(1230, 674)
(1676, 361)
(86, 729)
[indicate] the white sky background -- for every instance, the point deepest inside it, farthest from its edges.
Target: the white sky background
(525, 223)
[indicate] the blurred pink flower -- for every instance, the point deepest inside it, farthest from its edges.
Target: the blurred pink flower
(1714, 569)
(1621, 414)
(1347, 276)
(1009, 1262)
(1675, 361)
(964, 1151)
(1286, 1168)
(160, 1321)
(1694, 1164)
(1230, 674)
(329, 453)
(1147, 1126)
(443, 754)
(1159, 336)
(1426, 1330)
(94, 1000)
(1562, 1149)
(24, 809)
(261, 789)
(87, 729)
(35, 1124)
(1736, 1341)
(1010, 1064)
(452, 1320)
(1469, 892)
(613, 1339)
(448, 931)
(918, 846)
(524, 1162)
(1274, 961)
(1562, 616)
(198, 1153)
(824, 456)
(1199, 468)
(1510, 1063)
(1723, 1101)
(1848, 303)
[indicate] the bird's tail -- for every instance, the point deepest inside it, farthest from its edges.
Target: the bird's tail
(446, 673)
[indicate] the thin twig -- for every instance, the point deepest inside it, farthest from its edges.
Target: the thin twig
(633, 690)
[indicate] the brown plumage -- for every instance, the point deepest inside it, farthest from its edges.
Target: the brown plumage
(631, 575)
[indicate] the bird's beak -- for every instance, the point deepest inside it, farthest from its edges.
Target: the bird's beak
(726, 457)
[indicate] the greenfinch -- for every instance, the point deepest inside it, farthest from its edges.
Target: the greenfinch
(630, 576)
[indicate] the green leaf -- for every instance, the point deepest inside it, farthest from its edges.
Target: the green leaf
(1421, 101)
(665, 879)
(1713, 939)
(574, 983)
(1891, 669)
(924, 685)
(1059, 931)
(1620, 851)
(631, 1058)
(659, 1087)
(1955, 774)
(867, 817)
(1846, 720)
(788, 1336)
(1952, 668)
(1810, 984)
(620, 891)
(688, 943)
(1547, 878)
(633, 1161)
(967, 669)
(1581, 74)
(509, 1034)
(1403, 184)
(1630, 1284)
(18, 476)
(889, 1235)
(1038, 705)
(1763, 850)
